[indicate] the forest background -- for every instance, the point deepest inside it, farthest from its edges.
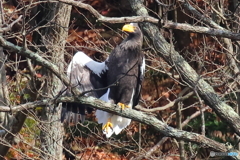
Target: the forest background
(190, 98)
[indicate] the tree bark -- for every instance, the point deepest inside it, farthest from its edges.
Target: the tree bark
(54, 38)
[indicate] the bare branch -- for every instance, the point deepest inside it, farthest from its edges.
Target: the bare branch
(35, 57)
(171, 25)
(197, 113)
(129, 113)
(9, 27)
(102, 18)
(203, 30)
(198, 15)
(170, 104)
(153, 149)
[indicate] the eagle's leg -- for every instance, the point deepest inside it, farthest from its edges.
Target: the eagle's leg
(107, 126)
(123, 106)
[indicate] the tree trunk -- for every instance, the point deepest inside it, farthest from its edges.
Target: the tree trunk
(54, 38)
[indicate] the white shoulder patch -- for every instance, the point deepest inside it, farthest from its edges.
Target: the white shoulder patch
(143, 67)
(82, 59)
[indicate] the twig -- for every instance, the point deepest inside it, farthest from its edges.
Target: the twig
(170, 104)
(201, 106)
(153, 149)
(9, 27)
(194, 115)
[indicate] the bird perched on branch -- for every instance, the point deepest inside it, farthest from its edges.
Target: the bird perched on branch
(86, 75)
(126, 66)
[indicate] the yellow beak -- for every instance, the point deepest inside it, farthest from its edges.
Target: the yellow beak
(128, 28)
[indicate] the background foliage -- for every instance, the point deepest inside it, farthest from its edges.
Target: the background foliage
(210, 56)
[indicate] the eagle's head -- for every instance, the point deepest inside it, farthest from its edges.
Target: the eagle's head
(135, 37)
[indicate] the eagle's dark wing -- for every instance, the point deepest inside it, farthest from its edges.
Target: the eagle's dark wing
(86, 75)
(126, 67)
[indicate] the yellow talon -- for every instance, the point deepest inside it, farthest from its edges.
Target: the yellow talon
(107, 126)
(123, 106)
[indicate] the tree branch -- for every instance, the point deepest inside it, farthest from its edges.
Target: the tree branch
(9, 27)
(194, 115)
(170, 25)
(129, 113)
(170, 104)
(203, 30)
(102, 18)
(200, 16)
(35, 57)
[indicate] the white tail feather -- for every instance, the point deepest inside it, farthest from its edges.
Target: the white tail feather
(118, 122)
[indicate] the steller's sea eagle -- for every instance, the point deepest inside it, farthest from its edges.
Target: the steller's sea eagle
(126, 66)
(86, 75)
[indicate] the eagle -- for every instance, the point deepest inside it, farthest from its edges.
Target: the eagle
(87, 75)
(126, 66)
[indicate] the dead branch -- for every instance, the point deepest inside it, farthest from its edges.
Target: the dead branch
(153, 149)
(9, 27)
(203, 30)
(216, 31)
(200, 16)
(35, 57)
(194, 115)
(170, 104)
(102, 18)
(129, 113)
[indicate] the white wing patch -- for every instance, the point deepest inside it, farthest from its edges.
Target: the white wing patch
(131, 100)
(143, 67)
(82, 59)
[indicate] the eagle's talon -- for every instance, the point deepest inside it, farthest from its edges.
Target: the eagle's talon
(122, 106)
(107, 126)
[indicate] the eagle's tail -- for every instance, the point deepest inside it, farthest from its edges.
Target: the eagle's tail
(72, 112)
(118, 122)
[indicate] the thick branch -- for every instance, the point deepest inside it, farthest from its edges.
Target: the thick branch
(171, 25)
(129, 113)
(102, 18)
(203, 30)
